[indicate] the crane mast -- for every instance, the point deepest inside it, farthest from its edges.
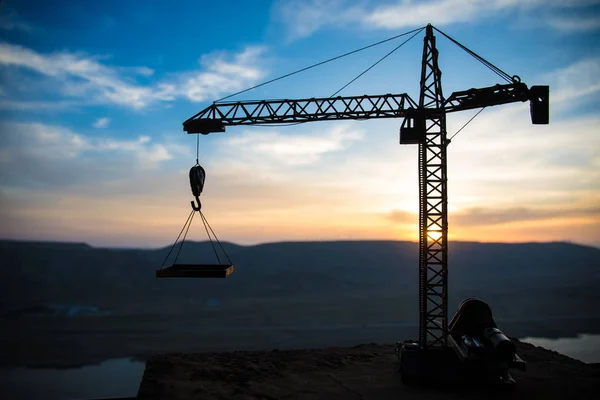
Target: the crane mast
(424, 124)
(433, 204)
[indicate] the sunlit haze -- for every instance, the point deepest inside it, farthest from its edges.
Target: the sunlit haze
(93, 95)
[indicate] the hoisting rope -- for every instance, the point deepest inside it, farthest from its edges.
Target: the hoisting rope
(197, 148)
(466, 123)
(317, 64)
(502, 74)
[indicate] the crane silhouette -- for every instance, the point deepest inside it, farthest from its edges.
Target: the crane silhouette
(424, 124)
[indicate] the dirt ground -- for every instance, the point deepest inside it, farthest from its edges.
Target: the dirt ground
(360, 372)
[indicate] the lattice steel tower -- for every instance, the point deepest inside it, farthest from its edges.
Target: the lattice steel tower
(433, 204)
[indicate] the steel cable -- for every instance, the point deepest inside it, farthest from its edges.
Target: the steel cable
(377, 62)
(467, 123)
(482, 60)
(318, 64)
(176, 240)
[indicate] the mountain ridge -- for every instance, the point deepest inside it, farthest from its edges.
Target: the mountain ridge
(59, 272)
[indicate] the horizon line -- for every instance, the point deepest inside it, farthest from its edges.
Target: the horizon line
(46, 241)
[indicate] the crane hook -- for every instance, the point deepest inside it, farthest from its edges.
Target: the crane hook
(197, 177)
(194, 206)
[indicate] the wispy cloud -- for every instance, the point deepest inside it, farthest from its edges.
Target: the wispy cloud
(576, 82)
(11, 21)
(574, 23)
(101, 122)
(487, 216)
(481, 216)
(84, 76)
(34, 105)
(36, 154)
(221, 73)
(294, 149)
(303, 19)
(89, 77)
(56, 183)
(408, 13)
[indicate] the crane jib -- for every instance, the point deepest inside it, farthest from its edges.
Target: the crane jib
(219, 115)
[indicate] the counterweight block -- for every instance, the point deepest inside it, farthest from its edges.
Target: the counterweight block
(539, 105)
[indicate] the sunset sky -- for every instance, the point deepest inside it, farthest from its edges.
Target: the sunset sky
(93, 95)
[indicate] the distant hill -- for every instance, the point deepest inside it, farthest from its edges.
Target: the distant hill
(292, 294)
(123, 279)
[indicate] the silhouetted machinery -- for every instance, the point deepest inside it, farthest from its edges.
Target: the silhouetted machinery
(474, 330)
(472, 338)
(478, 351)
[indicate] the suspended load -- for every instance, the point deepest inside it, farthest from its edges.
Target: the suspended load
(220, 270)
(195, 271)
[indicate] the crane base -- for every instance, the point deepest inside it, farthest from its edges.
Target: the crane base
(443, 367)
(420, 366)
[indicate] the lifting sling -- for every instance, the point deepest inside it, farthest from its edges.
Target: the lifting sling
(220, 270)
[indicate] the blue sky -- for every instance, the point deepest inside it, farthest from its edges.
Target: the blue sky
(93, 94)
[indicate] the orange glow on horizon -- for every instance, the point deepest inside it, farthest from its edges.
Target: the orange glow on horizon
(156, 221)
(433, 235)
(123, 226)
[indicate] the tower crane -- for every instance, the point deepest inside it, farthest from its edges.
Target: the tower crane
(424, 125)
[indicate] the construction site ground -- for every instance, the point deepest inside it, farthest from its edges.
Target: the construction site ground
(360, 372)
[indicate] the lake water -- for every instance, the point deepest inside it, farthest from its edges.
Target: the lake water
(122, 377)
(584, 347)
(113, 378)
